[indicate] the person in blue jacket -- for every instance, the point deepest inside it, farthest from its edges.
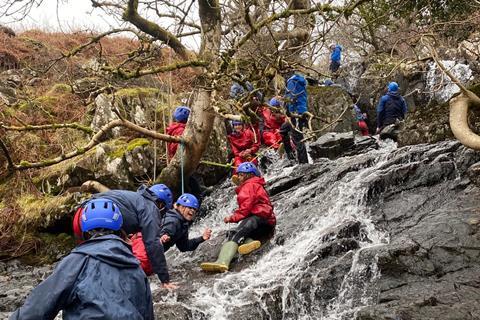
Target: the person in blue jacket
(174, 231)
(296, 105)
(142, 212)
(177, 222)
(391, 109)
(335, 57)
(99, 279)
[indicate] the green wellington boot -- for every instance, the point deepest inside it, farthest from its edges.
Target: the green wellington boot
(248, 246)
(228, 251)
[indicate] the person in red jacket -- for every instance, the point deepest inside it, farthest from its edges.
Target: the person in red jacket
(244, 144)
(272, 121)
(176, 128)
(255, 217)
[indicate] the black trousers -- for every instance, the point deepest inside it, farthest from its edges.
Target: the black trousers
(253, 227)
(286, 130)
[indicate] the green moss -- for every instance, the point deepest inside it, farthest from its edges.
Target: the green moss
(42, 211)
(119, 151)
(50, 247)
(138, 92)
(60, 88)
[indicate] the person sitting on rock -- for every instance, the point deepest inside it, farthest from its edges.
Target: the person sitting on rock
(143, 211)
(391, 110)
(176, 128)
(272, 121)
(296, 109)
(174, 231)
(244, 144)
(254, 214)
(99, 279)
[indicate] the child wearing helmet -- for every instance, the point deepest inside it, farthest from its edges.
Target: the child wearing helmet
(96, 278)
(174, 230)
(272, 121)
(176, 128)
(255, 217)
(143, 212)
(244, 143)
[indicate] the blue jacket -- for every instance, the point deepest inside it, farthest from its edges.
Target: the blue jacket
(296, 93)
(140, 214)
(100, 279)
(336, 54)
(176, 226)
(391, 107)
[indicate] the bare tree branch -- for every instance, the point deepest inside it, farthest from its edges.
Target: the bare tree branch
(48, 127)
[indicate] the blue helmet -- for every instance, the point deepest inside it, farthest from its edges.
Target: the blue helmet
(248, 167)
(237, 122)
(393, 87)
(188, 200)
(101, 213)
(181, 114)
(328, 82)
(274, 102)
(163, 193)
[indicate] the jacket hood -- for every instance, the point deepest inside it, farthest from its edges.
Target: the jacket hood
(147, 194)
(339, 47)
(257, 180)
(109, 249)
(174, 125)
(393, 93)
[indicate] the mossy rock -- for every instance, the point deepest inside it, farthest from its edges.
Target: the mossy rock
(42, 212)
(50, 248)
(60, 88)
(138, 92)
(123, 148)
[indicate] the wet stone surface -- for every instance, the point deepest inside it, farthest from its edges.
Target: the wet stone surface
(386, 234)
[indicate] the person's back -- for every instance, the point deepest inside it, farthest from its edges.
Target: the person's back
(141, 214)
(100, 279)
(392, 107)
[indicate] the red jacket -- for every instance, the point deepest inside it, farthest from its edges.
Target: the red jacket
(138, 249)
(244, 142)
(174, 129)
(252, 198)
(272, 121)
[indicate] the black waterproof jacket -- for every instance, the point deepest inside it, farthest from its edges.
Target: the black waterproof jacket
(176, 226)
(100, 279)
(140, 214)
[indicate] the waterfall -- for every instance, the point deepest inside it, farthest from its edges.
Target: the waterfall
(278, 272)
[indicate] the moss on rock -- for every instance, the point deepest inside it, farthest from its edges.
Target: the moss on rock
(137, 92)
(123, 148)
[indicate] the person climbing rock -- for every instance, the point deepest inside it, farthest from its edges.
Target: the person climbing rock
(244, 143)
(174, 231)
(361, 117)
(272, 121)
(143, 212)
(391, 111)
(296, 108)
(176, 128)
(254, 214)
(335, 57)
(97, 279)
(254, 104)
(194, 183)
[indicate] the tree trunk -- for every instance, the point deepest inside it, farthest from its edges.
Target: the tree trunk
(202, 116)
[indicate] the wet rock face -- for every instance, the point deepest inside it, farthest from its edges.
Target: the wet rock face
(386, 234)
(335, 145)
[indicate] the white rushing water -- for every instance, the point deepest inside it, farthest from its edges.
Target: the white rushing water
(280, 268)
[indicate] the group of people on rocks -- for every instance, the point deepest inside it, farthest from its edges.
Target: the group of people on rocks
(123, 235)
